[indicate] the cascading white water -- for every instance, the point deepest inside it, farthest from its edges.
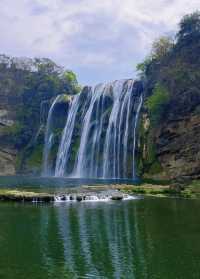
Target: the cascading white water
(120, 110)
(103, 196)
(64, 148)
(87, 123)
(134, 134)
(48, 138)
(99, 139)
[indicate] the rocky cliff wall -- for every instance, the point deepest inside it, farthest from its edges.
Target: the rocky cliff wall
(171, 149)
(27, 89)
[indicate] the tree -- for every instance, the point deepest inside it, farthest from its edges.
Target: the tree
(142, 67)
(189, 28)
(70, 81)
(161, 47)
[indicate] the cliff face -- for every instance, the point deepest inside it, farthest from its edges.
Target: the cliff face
(7, 161)
(169, 129)
(7, 151)
(27, 88)
(10, 101)
(177, 137)
(169, 147)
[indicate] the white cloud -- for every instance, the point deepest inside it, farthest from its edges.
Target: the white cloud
(88, 35)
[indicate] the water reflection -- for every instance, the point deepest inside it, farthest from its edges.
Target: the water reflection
(134, 239)
(104, 244)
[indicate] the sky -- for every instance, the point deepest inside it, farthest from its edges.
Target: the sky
(100, 40)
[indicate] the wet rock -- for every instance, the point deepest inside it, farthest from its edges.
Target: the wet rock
(117, 197)
(79, 198)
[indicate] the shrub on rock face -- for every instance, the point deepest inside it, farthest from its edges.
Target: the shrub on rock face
(156, 102)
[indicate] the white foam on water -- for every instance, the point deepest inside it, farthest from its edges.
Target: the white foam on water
(101, 197)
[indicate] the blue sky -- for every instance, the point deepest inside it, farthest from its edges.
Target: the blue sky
(100, 40)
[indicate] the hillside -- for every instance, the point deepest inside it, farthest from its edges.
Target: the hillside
(168, 143)
(170, 126)
(27, 88)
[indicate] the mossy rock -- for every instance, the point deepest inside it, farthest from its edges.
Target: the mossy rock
(35, 159)
(64, 98)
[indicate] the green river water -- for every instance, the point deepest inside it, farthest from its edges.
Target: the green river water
(142, 238)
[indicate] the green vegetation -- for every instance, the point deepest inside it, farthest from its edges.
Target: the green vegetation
(146, 187)
(70, 78)
(29, 87)
(174, 62)
(35, 158)
(156, 102)
(32, 88)
(171, 77)
(151, 190)
(21, 196)
(189, 28)
(161, 48)
(164, 188)
(155, 105)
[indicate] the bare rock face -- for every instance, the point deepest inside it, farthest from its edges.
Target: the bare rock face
(178, 147)
(7, 162)
(5, 119)
(7, 152)
(178, 137)
(171, 148)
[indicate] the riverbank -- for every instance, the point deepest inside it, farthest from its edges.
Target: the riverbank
(80, 195)
(183, 190)
(105, 192)
(24, 196)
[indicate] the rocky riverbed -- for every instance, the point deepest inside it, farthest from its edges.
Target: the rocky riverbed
(94, 193)
(68, 196)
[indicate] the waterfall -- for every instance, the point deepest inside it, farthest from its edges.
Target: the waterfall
(82, 153)
(64, 148)
(134, 134)
(99, 138)
(118, 114)
(48, 138)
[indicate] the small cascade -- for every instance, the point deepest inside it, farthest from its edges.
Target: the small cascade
(48, 138)
(99, 138)
(93, 197)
